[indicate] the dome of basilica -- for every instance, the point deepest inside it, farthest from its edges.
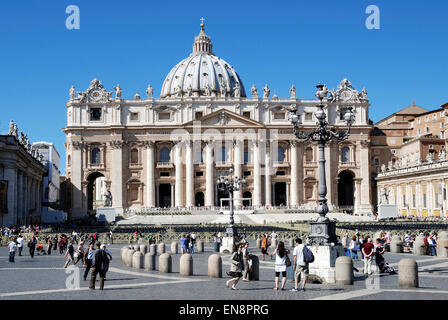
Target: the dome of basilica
(202, 74)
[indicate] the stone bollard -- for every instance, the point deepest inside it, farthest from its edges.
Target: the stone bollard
(153, 249)
(165, 263)
(442, 244)
(136, 247)
(150, 261)
(200, 246)
(160, 248)
(128, 259)
(258, 243)
(174, 247)
(215, 266)
(344, 270)
(186, 265)
(419, 248)
(123, 253)
(408, 273)
(143, 249)
(255, 275)
(396, 245)
(137, 260)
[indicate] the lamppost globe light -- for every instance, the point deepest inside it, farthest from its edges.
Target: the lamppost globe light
(320, 114)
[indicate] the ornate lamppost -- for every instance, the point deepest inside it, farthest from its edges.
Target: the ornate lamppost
(229, 184)
(323, 230)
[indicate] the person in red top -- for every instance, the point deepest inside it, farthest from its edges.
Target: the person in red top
(368, 251)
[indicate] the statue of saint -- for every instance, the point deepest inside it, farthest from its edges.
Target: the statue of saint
(383, 168)
(72, 93)
(384, 197)
(149, 91)
(207, 91)
(254, 91)
(236, 90)
(189, 90)
(222, 88)
(11, 128)
(267, 92)
(137, 96)
(118, 92)
(442, 155)
(429, 157)
(108, 199)
(292, 92)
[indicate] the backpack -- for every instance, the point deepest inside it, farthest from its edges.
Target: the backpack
(308, 255)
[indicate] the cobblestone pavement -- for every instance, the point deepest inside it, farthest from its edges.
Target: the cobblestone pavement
(44, 277)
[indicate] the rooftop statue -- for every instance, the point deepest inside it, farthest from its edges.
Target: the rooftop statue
(149, 91)
(118, 92)
(254, 91)
(292, 92)
(267, 92)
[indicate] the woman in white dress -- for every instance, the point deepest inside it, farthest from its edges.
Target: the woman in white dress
(281, 255)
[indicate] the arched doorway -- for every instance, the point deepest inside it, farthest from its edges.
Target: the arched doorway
(95, 190)
(280, 194)
(199, 199)
(247, 195)
(165, 195)
(346, 189)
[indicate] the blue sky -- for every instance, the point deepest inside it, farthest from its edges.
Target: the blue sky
(283, 42)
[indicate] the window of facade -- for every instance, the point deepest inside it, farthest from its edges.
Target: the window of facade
(198, 114)
(246, 114)
(247, 173)
(345, 154)
(377, 161)
(413, 200)
(308, 192)
(133, 192)
(95, 114)
(134, 116)
(426, 130)
(246, 156)
(419, 132)
(419, 121)
(199, 157)
(424, 200)
(279, 116)
(164, 116)
(165, 155)
(134, 156)
(308, 116)
(223, 154)
(199, 173)
(280, 154)
(280, 173)
(164, 174)
(95, 156)
(309, 154)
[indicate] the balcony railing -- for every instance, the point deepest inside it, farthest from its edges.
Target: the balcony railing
(280, 164)
(165, 165)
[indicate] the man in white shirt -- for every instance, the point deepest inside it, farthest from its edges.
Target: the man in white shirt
(12, 247)
(20, 240)
(273, 235)
(300, 266)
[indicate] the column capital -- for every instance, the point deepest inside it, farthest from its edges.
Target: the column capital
(78, 145)
(150, 144)
(116, 144)
(292, 143)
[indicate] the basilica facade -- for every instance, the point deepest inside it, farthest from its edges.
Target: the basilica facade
(169, 151)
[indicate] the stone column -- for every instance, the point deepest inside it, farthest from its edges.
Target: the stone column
(173, 195)
(273, 193)
(268, 178)
(294, 198)
(189, 172)
(288, 195)
(357, 193)
(209, 175)
(179, 188)
(117, 173)
(238, 160)
(365, 175)
(10, 174)
(257, 174)
(76, 180)
(150, 164)
(20, 193)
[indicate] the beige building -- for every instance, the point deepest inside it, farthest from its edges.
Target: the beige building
(169, 151)
(21, 173)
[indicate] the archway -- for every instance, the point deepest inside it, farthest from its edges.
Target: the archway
(95, 190)
(165, 195)
(346, 189)
(199, 199)
(280, 194)
(247, 194)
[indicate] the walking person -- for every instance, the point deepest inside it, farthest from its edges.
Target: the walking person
(12, 248)
(20, 241)
(264, 247)
(88, 257)
(99, 263)
(354, 247)
(246, 258)
(69, 254)
(301, 267)
(32, 246)
(109, 256)
(280, 254)
(183, 244)
(368, 251)
(237, 266)
(79, 253)
(191, 245)
(49, 246)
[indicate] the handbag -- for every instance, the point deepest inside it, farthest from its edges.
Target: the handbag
(287, 261)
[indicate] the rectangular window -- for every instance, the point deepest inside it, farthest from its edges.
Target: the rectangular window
(246, 114)
(165, 116)
(246, 156)
(198, 115)
(281, 173)
(199, 173)
(164, 174)
(419, 121)
(279, 116)
(247, 173)
(377, 161)
(308, 116)
(134, 116)
(95, 114)
(413, 201)
(424, 200)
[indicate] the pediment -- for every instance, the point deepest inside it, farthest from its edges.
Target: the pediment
(226, 118)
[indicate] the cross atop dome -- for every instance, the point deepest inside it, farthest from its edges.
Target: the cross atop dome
(202, 23)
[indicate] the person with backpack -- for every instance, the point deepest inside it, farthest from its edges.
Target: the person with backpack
(281, 262)
(303, 256)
